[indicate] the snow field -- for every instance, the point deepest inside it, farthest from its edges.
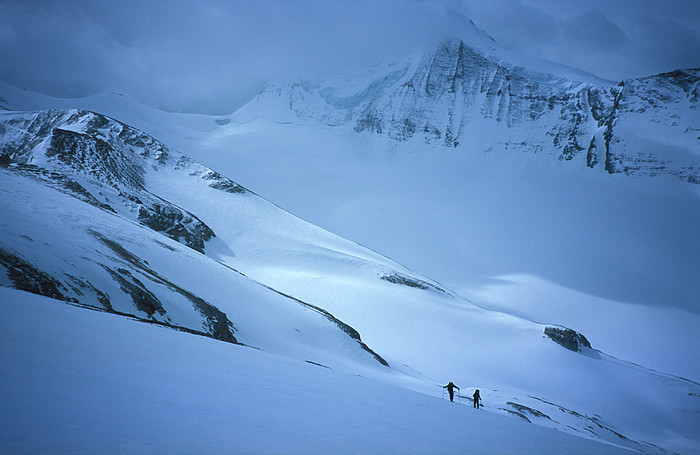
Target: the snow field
(90, 382)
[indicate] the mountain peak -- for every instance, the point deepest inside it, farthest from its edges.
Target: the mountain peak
(468, 84)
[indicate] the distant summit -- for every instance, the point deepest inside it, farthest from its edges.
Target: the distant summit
(471, 98)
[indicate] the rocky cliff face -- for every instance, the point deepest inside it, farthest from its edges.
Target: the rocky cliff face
(653, 127)
(465, 98)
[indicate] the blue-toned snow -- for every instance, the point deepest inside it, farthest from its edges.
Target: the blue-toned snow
(87, 382)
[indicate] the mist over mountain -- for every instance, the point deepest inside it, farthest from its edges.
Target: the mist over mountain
(320, 263)
(472, 98)
(209, 56)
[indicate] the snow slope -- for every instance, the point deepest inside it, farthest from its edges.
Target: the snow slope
(89, 382)
(287, 287)
(83, 230)
(630, 244)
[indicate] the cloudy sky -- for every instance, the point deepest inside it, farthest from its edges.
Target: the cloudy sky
(213, 55)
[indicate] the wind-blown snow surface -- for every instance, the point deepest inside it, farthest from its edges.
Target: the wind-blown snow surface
(88, 382)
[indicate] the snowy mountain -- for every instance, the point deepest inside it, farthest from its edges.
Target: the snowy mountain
(76, 183)
(471, 99)
(103, 216)
(520, 187)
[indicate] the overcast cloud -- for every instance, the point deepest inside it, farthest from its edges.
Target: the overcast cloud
(212, 56)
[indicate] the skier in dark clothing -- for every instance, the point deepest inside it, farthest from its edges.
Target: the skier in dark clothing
(477, 398)
(451, 389)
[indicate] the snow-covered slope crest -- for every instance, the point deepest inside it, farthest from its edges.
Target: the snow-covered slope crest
(473, 99)
(80, 225)
(108, 155)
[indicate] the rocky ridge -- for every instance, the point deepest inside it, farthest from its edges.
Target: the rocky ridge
(465, 98)
(104, 165)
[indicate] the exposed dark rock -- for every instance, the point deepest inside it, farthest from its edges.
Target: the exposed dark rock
(164, 245)
(109, 151)
(591, 422)
(62, 183)
(570, 339)
(369, 122)
(600, 104)
(592, 154)
(176, 223)
(122, 252)
(455, 87)
(26, 277)
(526, 409)
(606, 428)
(404, 280)
(516, 413)
(93, 156)
(216, 321)
(409, 128)
(351, 332)
(143, 299)
(102, 297)
(431, 132)
(354, 334)
(134, 317)
(34, 131)
(220, 182)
